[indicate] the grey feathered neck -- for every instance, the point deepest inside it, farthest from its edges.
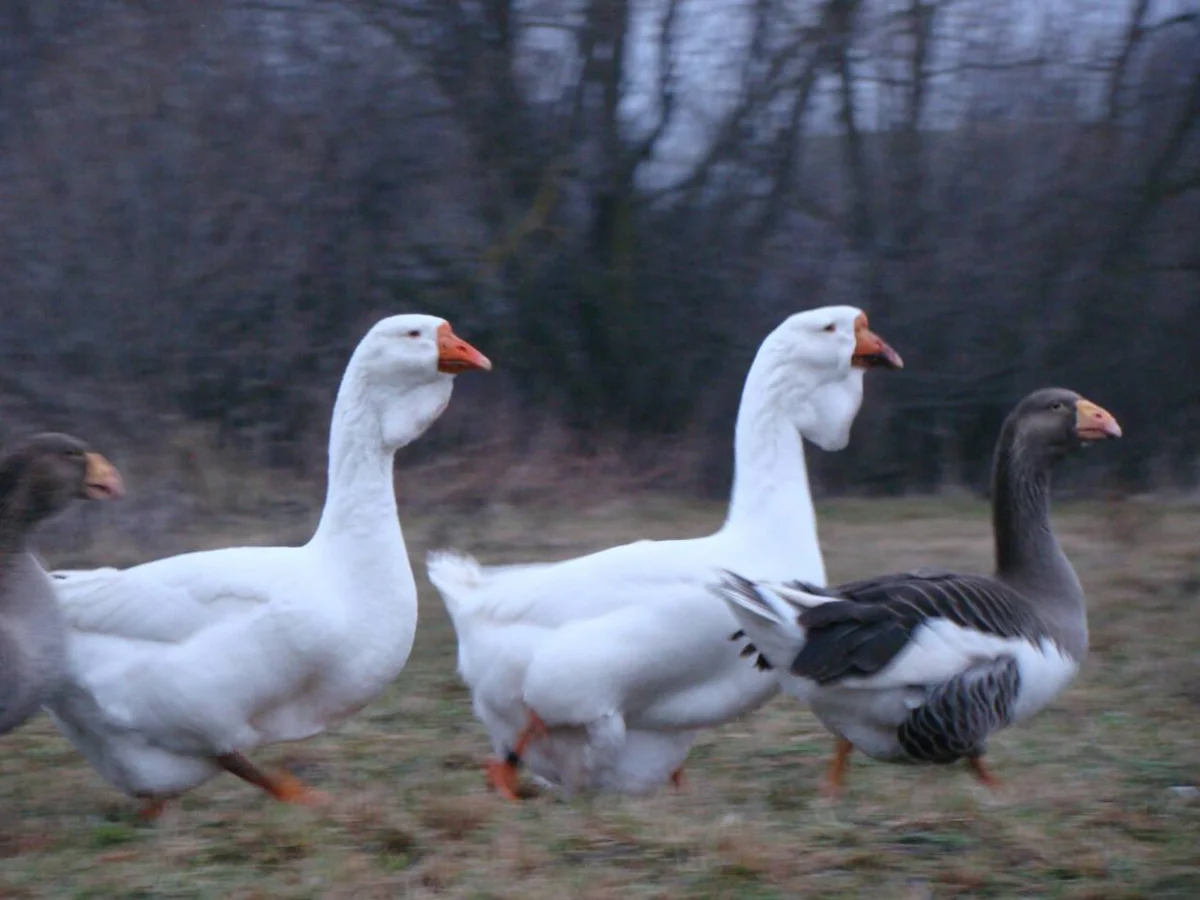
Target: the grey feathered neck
(32, 638)
(1028, 554)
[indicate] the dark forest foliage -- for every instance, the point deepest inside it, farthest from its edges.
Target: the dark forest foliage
(204, 205)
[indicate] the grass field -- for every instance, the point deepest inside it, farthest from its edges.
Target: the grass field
(1099, 797)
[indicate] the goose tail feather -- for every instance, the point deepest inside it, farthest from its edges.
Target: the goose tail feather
(768, 619)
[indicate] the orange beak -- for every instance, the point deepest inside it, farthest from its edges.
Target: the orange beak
(456, 355)
(870, 350)
(1094, 423)
(101, 480)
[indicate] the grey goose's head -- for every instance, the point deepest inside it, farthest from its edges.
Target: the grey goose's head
(41, 474)
(1052, 422)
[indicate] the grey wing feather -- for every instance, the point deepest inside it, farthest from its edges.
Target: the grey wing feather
(959, 714)
(862, 633)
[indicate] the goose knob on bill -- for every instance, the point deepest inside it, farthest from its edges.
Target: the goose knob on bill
(923, 667)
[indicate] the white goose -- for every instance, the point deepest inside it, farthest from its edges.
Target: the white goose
(179, 665)
(597, 671)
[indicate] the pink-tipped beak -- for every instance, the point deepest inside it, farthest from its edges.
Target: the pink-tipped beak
(1094, 423)
(101, 479)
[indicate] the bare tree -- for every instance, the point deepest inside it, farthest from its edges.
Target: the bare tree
(205, 205)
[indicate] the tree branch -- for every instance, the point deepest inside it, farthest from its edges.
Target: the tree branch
(1172, 190)
(1133, 36)
(667, 93)
(756, 93)
(1158, 185)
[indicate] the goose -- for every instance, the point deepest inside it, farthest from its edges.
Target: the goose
(39, 476)
(177, 667)
(598, 671)
(923, 666)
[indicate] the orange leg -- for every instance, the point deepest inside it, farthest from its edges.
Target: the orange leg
(835, 778)
(678, 779)
(282, 786)
(982, 772)
(152, 808)
(502, 773)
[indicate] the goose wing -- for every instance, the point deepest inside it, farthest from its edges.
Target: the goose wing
(866, 625)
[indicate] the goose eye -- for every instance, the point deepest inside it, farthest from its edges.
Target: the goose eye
(1058, 406)
(414, 333)
(830, 327)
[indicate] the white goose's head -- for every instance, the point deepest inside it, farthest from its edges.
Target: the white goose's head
(405, 368)
(818, 358)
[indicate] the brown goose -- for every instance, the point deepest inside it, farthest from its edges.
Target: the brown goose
(923, 666)
(39, 476)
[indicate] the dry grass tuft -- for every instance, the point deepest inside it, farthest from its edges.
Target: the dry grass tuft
(453, 818)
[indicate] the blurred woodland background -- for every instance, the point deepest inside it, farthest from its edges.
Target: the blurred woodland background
(203, 206)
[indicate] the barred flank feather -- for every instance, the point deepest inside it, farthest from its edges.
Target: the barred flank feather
(960, 713)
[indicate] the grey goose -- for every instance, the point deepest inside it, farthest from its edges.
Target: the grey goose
(923, 666)
(39, 476)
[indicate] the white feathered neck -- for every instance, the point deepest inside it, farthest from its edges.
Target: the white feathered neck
(783, 400)
(372, 419)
